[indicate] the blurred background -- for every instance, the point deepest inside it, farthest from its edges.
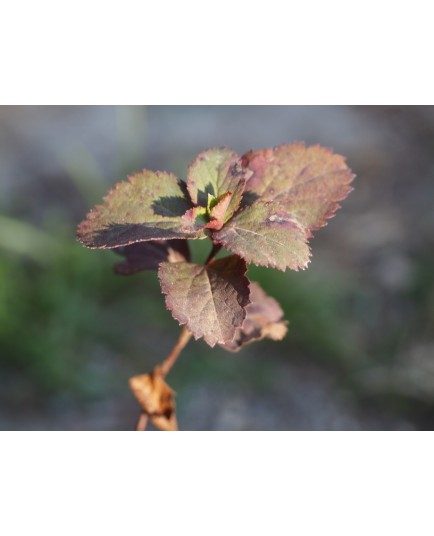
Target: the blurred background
(359, 354)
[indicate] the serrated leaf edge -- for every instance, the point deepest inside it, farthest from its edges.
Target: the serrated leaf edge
(166, 293)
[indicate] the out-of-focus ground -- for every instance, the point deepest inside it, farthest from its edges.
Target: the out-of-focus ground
(360, 349)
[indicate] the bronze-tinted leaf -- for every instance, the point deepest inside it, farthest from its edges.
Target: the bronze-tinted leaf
(209, 299)
(263, 320)
(292, 191)
(266, 235)
(156, 399)
(217, 171)
(211, 217)
(148, 206)
(195, 219)
(307, 182)
(218, 211)
(148, 255)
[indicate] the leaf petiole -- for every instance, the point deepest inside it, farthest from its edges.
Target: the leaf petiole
(215, 249)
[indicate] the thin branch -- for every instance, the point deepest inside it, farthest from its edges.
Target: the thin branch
(168, 363)
(142, 423)
(163, 370)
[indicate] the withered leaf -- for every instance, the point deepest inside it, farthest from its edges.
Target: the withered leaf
(263, 320)
(148, 255)
(156, 399)
(217, 171)
(209, 299)
(148, 206)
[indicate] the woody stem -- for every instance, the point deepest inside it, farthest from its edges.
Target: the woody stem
(168, 363)
(142, 423)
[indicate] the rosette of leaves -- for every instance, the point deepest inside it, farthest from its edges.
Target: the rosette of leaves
(261, 207)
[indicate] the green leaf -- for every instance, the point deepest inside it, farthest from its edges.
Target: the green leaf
(263, 320)
(149, 206)
(216, 172)
(266, 236)
(210, 299)
(307, 182)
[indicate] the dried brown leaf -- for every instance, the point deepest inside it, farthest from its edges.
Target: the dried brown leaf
(156, 399)
(263, 320)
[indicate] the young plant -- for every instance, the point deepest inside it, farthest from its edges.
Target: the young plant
(261, 207)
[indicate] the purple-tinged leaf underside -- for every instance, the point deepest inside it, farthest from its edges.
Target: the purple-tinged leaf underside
(148, 206)
(266, 236)
(148, 255)
(211, 300)
(307, 182)
(263, 320)
(217, 171)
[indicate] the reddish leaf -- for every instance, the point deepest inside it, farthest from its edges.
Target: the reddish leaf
(263, 320)
(212, 217)
(292, 191)
(195, 219)
(148, 255)
(217, 171)
(209, 299)
(148, 206)
(218, 211)
(266, 236)
(307, 182)
(156, 399)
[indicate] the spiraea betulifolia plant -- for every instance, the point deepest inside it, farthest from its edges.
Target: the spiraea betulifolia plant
(261, 207)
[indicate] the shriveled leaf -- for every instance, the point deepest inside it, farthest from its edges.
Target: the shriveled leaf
(307, 182)
(148, 255)
(217, 171)
(263, 320)
(156, 399)
(209, 299)
(266, 236)
(148, 206)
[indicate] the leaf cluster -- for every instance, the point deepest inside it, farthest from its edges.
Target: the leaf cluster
(261, 207)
